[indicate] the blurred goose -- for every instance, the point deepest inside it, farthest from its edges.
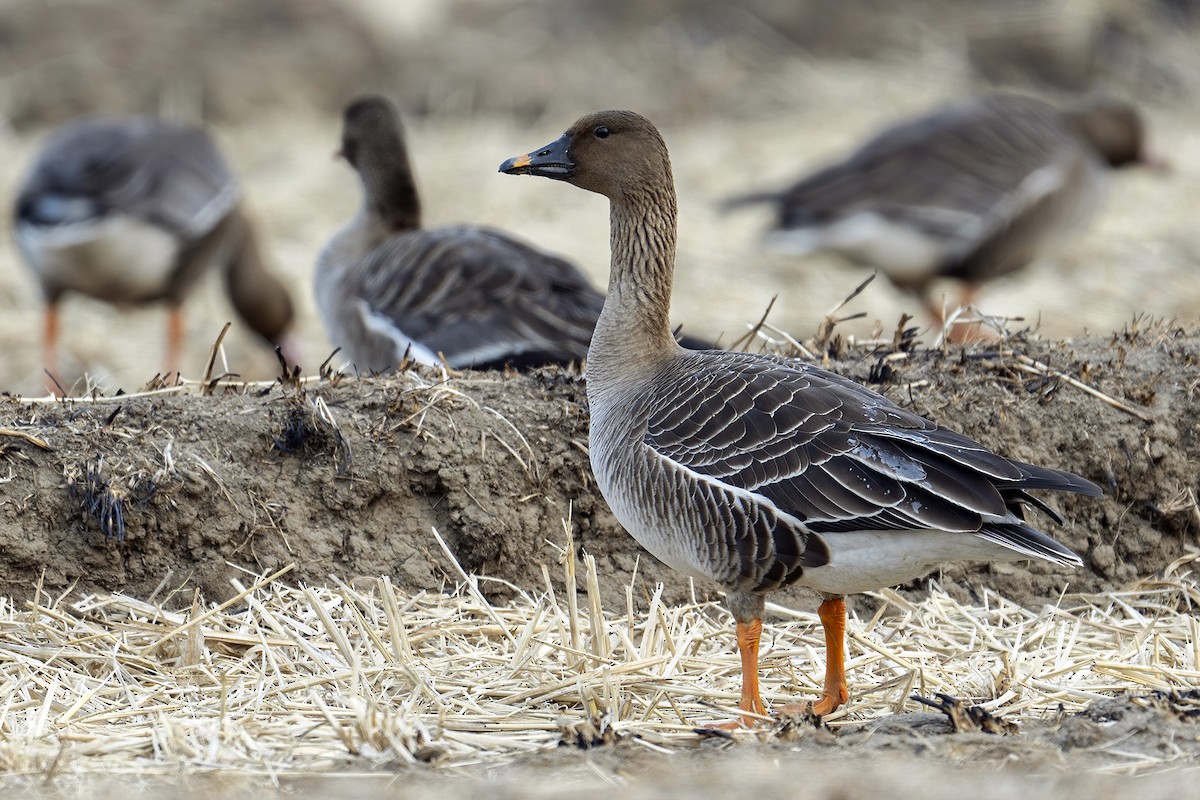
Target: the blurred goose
(759, 471)
(972, 191)
(135, 210)
(472, 296)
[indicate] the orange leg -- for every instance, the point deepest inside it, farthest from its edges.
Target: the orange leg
(748, 636)
(833, 619)
(934, 310)
(961, 332)
(969, 293)
(967, 332)
(174, 338)
(50, 344)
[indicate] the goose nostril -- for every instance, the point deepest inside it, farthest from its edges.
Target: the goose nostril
(545, 152)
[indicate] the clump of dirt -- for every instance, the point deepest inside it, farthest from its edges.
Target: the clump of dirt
(348, 477)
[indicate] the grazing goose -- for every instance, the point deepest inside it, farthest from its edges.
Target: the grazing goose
(759, 471)
(972, 191)
(135, 210)
(473, 296)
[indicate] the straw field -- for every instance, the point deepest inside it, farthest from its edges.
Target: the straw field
(284, 680)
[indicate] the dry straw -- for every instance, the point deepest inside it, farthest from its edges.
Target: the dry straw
(288, 680)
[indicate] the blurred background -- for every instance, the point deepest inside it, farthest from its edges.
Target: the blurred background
(749, 95)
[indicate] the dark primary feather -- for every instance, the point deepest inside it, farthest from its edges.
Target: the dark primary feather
(468, 292)
(160, 172)
(838, 456)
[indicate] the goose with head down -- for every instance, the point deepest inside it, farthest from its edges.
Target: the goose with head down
(971, 191)
(472, 296)
(759, 471)
(135, 210)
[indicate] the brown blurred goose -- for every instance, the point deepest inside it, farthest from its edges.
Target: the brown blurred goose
(470, 295)
(972, 191)
(135, 210)
(759, 471)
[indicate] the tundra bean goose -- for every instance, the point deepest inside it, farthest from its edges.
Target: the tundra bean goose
(474, 296)
(135, 210)
(759, 471)
(972, 191)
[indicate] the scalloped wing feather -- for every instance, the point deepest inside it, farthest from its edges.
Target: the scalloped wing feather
(480, 297)
(837, 456)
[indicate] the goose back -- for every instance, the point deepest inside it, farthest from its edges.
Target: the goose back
(473, 295)
(158, 171)
(109, 206)
(137, 209)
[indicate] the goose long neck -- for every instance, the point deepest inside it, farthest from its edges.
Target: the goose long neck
(389, 189)
(633, 329)
(259, 297)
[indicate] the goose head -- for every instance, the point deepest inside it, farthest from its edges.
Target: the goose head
(1115, 130)
(607, 152)
(373, 144)
(369, 125)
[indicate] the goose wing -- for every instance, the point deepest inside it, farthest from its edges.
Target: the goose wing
(481, 298)
(161, 172)
(959, 175)
(833, 455)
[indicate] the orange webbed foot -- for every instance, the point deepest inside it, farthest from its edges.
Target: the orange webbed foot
(815, 708)
(830, 702)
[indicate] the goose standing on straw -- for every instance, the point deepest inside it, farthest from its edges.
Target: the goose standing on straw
(760, 471)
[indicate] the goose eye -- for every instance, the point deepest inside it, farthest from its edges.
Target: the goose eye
(601, 132)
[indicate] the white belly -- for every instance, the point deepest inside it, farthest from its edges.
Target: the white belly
(868, 560)
(386, 330)
(868, 238)
(113, 258)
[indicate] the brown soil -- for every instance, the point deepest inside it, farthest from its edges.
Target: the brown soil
(164, 492)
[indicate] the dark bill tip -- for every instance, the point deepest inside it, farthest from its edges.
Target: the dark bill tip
(551, 161)
(517, 165)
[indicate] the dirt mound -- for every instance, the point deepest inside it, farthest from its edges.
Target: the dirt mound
(347, 477)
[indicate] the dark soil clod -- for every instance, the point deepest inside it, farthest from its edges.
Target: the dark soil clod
(100, 501)
(964, 719)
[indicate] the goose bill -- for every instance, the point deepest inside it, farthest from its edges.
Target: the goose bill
(551, 161)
